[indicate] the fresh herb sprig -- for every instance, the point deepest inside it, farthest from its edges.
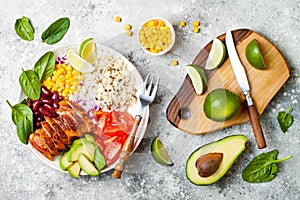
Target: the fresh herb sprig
(263, 167)
(285, 119)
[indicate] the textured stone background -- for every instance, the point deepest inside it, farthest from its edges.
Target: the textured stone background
(23, 176)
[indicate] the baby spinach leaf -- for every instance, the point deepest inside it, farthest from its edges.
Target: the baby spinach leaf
(24, 129)
(285, 119)
(56, 31)
(24, 28)
(263, 167)
(19, 112)
(30, 84)
(44, 67)
(99, 159)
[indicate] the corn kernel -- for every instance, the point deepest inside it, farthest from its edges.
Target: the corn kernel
(118, 19)
(196, 23)
(175, 63)
(127, 27)
(129, 33)
(182, 23)
(196, 29)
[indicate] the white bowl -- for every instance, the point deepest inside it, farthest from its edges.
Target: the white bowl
(172, 34)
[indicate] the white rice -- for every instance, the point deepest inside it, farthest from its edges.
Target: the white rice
(109, 87)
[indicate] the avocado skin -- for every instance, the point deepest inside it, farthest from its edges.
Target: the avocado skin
(207, 181)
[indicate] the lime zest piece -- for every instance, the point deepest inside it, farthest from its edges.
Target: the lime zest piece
(216, 55)
(254, 56)
(198, 78)
(79, 63)
(159, 153)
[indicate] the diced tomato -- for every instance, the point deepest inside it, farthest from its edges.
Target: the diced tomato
(112, 152)
(103, 118)
(124, 120)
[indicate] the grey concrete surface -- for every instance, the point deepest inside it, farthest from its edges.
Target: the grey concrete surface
(23, 176)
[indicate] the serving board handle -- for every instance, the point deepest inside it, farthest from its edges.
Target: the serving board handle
(127, 148)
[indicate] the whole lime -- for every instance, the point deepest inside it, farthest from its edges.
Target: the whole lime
(221, 105)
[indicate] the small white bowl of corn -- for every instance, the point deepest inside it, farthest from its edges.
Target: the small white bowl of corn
(156, 36)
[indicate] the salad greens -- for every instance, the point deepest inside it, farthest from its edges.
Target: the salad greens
(44, 67)
(56, 31)
(30, 84)
(22, 117)
(263, 167)
(285, 119)
(24, 28)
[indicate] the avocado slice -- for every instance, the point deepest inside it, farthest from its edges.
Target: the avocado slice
(87, 148)
(63, 161)
(87, 166)
(74, 170)
(231, 147)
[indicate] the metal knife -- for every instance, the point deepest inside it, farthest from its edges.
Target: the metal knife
(242, 80)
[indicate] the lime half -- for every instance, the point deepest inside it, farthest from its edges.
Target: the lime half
(87, 50)
(159, 153)
(221, 104)
(216, 55)
(198, 77)
(79, 63)
(254, 56)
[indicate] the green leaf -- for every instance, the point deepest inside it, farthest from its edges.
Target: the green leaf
(24, 28)
(99, 159)
(56, 31)
(263, 167)
(44, 67)
(24, 129)
(285, 119)
(20, 111)
(30, 84)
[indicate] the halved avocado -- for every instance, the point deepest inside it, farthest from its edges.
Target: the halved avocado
(231, 147)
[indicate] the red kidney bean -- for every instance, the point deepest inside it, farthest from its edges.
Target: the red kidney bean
(36, 105)
(29, 103)
(39, 119)
(37, 113)
(45, 112)
(38, 125)
(60, 98)
(55, 96)
(48, 108)
(55, 105)
(47, 101)
(46, 92)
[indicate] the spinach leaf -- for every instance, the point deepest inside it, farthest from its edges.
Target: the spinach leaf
(56, 31)
(263, 167)
(30, 84)
(44, 67)
(24, 28)
(24, 129)
(99, 159)
(285, 119)
(19, 112)
(25, 101)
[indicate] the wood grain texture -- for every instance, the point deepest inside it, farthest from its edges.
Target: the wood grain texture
(264, 85)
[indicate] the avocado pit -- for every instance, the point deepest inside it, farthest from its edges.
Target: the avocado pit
(208, 164)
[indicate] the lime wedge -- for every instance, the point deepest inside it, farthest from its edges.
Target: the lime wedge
(216, 55)
(254, 56)
(87, 50)
(159, 153)
(198, 77)
(79, 63)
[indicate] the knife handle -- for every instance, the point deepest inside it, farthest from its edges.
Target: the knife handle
(257, 130)
(127, 148)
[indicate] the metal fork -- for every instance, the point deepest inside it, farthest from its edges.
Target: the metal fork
(146, 97)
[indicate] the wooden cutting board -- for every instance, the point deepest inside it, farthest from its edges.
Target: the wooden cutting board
(185, 111)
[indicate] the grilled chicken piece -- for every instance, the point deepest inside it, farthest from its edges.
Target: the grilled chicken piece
(39, 144)
(57, 133)
(62, 135)
(52, 133)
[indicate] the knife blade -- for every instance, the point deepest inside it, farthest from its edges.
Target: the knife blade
(241, 77)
